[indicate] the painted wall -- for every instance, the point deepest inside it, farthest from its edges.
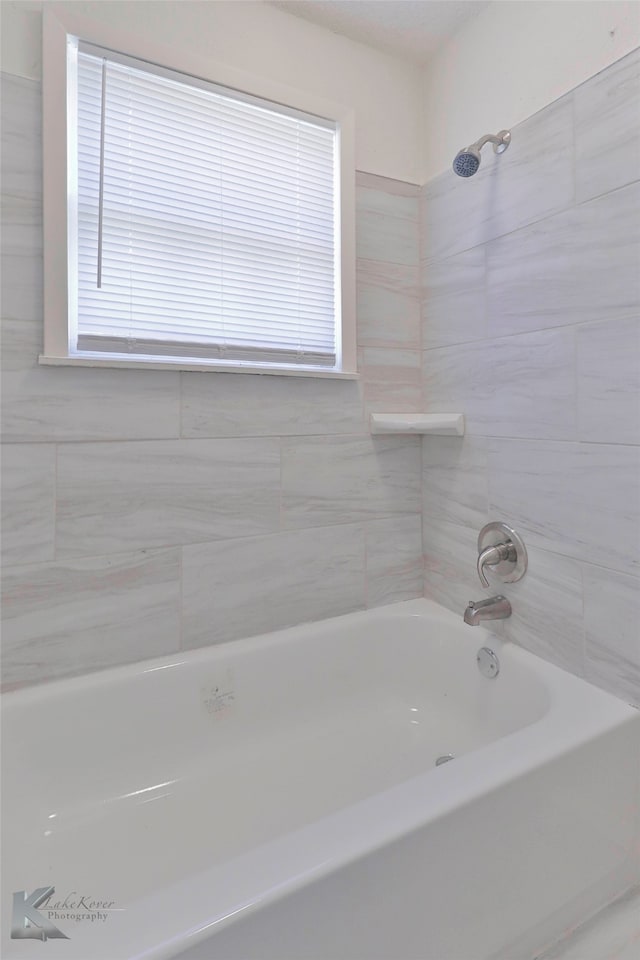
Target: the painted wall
(513, 59)
(531, 326)
(148, 511)
(384, 91)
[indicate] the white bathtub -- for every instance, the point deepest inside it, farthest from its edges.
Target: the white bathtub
(277, 799)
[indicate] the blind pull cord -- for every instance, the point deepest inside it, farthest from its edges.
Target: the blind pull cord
(101, 181)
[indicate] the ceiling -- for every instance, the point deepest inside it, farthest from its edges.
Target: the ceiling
(413, 29)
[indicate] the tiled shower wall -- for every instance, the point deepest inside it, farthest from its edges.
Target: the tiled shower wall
(531, 327)
(149, 511)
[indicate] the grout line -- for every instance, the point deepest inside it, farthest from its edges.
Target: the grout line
(181, 607)
(585, 564)
(380, 176)
(423, 474)
(365, 544)
(583, 623)
(166, 547)
(280, 485)
(576, 385)
(578, 324)
(576, 560)
(365, 435)
(87, 557)
(180, 411)
(572, 101)
(573, 205)
(235, 438)
(567, 441)
(423, 320)
(55, 502)
(485, 297)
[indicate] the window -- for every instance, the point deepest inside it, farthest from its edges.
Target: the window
(205, 225)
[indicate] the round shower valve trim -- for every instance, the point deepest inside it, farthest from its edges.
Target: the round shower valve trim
(502, 553)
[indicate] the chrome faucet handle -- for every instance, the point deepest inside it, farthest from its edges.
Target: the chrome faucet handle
(492, 556)
(501, 548)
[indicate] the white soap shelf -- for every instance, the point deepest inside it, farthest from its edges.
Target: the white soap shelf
(436, 424)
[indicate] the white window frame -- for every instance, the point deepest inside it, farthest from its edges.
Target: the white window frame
(59, 176)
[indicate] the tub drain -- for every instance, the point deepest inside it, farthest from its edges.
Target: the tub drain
(444, 758)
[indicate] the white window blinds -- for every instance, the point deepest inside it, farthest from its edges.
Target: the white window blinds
(207, 220)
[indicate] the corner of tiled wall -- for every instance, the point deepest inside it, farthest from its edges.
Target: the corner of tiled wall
(531, 327)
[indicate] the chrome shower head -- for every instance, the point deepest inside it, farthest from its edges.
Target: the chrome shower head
(467, 161)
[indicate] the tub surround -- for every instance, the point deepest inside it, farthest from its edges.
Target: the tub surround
(531, 325)
(147, 511)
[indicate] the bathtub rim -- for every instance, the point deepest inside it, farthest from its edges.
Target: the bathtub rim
(336, 840)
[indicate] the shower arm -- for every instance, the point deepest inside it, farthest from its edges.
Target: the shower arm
(502, 139)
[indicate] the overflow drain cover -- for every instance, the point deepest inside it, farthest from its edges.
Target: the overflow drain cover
(444, 759)
(488, 663)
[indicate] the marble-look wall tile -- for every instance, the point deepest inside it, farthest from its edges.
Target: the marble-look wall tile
(612, 631)
(453, 309)
(387, 185)
(80, 403)
(240, 588)
(547, 603)
(394, 560)
(20, 176)
(530, 181)
(72, 617)
(119, 496)
(237, 405)
(127, 483)
(21, 294)
(21, 220)
(521, 386)
(21, 140)
(455, 480)
(531, 326)
(20, 344)
(609, 381)
(578, 499)
(392, 380)
(387, 227)
(28, 502)
(21, 197)
(328, 480)
(389, 198)
(607, 128)
(44, 404)
(388, 305)
(450, 553)
(578, 266)
(547, 609)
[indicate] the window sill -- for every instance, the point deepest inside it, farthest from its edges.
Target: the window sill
(215, 366)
